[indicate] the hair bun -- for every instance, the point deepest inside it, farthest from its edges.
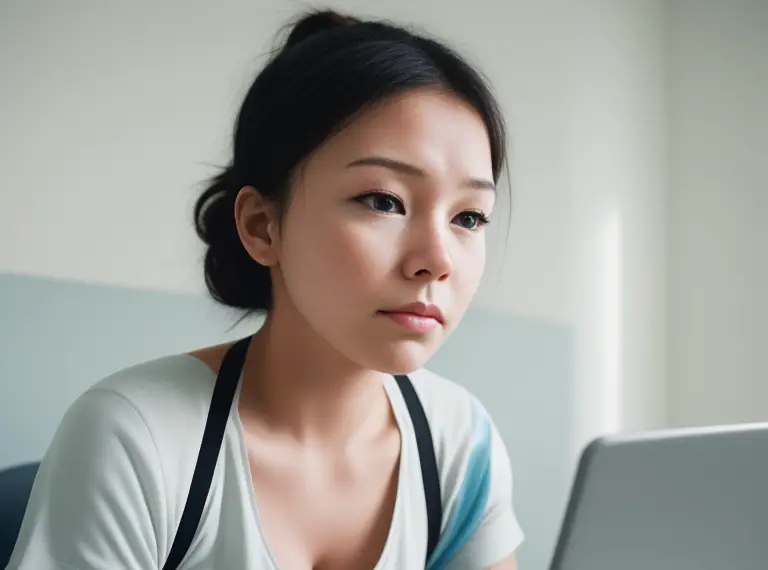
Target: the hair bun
(315, 23)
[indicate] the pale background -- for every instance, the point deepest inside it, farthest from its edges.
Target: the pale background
(631, 293)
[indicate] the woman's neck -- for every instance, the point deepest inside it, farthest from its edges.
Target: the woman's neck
(296, 384)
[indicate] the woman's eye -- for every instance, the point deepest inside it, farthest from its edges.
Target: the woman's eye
(382, 202)
(471, 220)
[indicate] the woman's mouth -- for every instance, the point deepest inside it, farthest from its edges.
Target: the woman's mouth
(417, 317)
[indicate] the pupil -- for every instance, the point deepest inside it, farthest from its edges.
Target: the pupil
(384, 203)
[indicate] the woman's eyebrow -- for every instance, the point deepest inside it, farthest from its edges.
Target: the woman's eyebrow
(412, 170)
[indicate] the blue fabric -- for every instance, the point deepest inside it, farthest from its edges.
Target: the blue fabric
(467, 514)
(15, 487)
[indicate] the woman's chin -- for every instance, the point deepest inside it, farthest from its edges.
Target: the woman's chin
(401, 357)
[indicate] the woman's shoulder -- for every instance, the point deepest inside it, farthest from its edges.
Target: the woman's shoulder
(178, 383)
(112, 482)
(464, 434)
(145, 410)
(475, 475)
(452, 410)
(167, 397)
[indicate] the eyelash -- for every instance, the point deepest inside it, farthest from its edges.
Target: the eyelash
(482, 219)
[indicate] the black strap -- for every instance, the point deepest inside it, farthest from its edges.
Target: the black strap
(213, 435)
(429, 473)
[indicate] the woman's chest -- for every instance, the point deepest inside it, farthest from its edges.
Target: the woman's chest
(323, 510)
(310, 515)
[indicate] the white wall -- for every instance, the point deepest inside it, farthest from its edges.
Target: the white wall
(616, 183)
(718, 226)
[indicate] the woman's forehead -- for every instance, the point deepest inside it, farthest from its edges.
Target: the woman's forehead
(428, 129)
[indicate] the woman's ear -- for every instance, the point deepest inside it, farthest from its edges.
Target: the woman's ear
(256, 219)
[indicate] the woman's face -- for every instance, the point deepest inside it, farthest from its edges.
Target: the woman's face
(387, 218)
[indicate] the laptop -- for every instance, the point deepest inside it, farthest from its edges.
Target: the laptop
(686, 499)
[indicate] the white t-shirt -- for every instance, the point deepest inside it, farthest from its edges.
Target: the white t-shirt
(112, 486)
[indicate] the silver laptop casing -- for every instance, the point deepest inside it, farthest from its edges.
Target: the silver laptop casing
(687, 499)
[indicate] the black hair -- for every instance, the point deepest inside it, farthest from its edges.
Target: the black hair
(330, 68)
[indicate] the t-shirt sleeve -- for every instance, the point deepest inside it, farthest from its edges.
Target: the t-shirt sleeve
(498, 534)
(98, 496)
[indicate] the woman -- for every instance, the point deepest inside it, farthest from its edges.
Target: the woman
(352, 214)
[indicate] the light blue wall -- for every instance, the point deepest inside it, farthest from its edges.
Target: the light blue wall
(61, 337)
